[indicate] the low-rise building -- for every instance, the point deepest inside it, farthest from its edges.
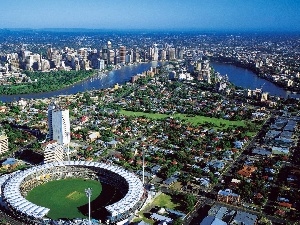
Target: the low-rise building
(3, 143)
(53, 152)
(228, 196)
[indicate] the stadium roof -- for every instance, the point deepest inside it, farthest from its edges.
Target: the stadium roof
(12, 196)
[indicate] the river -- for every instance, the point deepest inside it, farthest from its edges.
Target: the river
(238, 76)
(119, 76)
(247, 79)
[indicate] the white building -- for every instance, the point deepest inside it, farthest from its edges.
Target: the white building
(101, 64)
(3, 144)
(51, 107)
(53, 152)
(59, 124)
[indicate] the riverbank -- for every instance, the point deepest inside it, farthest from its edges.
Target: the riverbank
(39, 82)
(257, 72)
(246, 79)
(120, 76)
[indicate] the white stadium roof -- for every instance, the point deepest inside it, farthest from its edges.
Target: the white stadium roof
(11, 191)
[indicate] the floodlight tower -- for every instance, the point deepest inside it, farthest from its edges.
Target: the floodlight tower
(68, 145)
(143, 147)
(143, 166)
(88, 193)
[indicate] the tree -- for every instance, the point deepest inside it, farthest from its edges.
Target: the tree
(190, 201)
(178, 221)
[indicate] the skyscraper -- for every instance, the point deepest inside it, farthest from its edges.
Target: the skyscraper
(59, 124)
(51, 107)
(122, 54)
(105, 54)
(155, 53)
(172, 55)
(109, 44)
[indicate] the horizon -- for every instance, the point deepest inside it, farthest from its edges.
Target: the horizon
(199, 15)
(140, 30)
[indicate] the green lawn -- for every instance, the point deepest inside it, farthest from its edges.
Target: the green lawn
(194, 120)
(63, 197)
(164, 201)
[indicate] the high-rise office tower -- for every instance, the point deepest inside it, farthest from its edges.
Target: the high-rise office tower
(180, 53)
(122, 54)
(111, 56)
(51, 107)
(105, 54)
(109, 44)
(136, 56)
(172, 55)
(163, 55)
(59, 124)
(155, 54)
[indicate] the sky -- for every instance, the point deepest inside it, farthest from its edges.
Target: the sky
(244, 15)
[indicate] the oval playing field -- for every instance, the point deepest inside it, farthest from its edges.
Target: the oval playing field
(56, 190)
(64, 197)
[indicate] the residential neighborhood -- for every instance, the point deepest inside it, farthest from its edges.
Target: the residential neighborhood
(184, 139)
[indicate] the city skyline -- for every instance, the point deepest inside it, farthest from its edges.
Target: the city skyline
(216, 15)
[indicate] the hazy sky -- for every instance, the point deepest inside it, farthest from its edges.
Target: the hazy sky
(278, 15)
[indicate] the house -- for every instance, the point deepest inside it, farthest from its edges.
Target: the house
(228, 196)
(146, 174)
(238, 144)
(3, 108)
(112, 144)
(142, 223)
(285, 205)
(176, 213)
(211, 220)
(243, 218)
(219, 212)
(10, 163)
(280, 151)
(204, 182)
(231, 217)
(160, 218)
(216, 165)
(261, 151)
(155, 169)
(93, 135)
(247, 171)
(170, 180)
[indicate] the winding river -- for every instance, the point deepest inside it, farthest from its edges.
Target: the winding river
(238, 76)
(119, 76)
(247, 79)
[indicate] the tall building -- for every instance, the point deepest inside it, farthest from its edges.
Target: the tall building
(172, 55)
(53, 152)
(111, 56)
(100, 64)
(59, 124)
(3, 143)
(105, 54)
(122, 54)
(51, 107)
(155, 54)
(109, 44)
(163, 55)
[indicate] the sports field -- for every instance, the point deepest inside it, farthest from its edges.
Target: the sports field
(65, 198)
(194, 120)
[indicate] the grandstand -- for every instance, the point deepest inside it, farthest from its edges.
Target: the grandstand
(15, 186)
